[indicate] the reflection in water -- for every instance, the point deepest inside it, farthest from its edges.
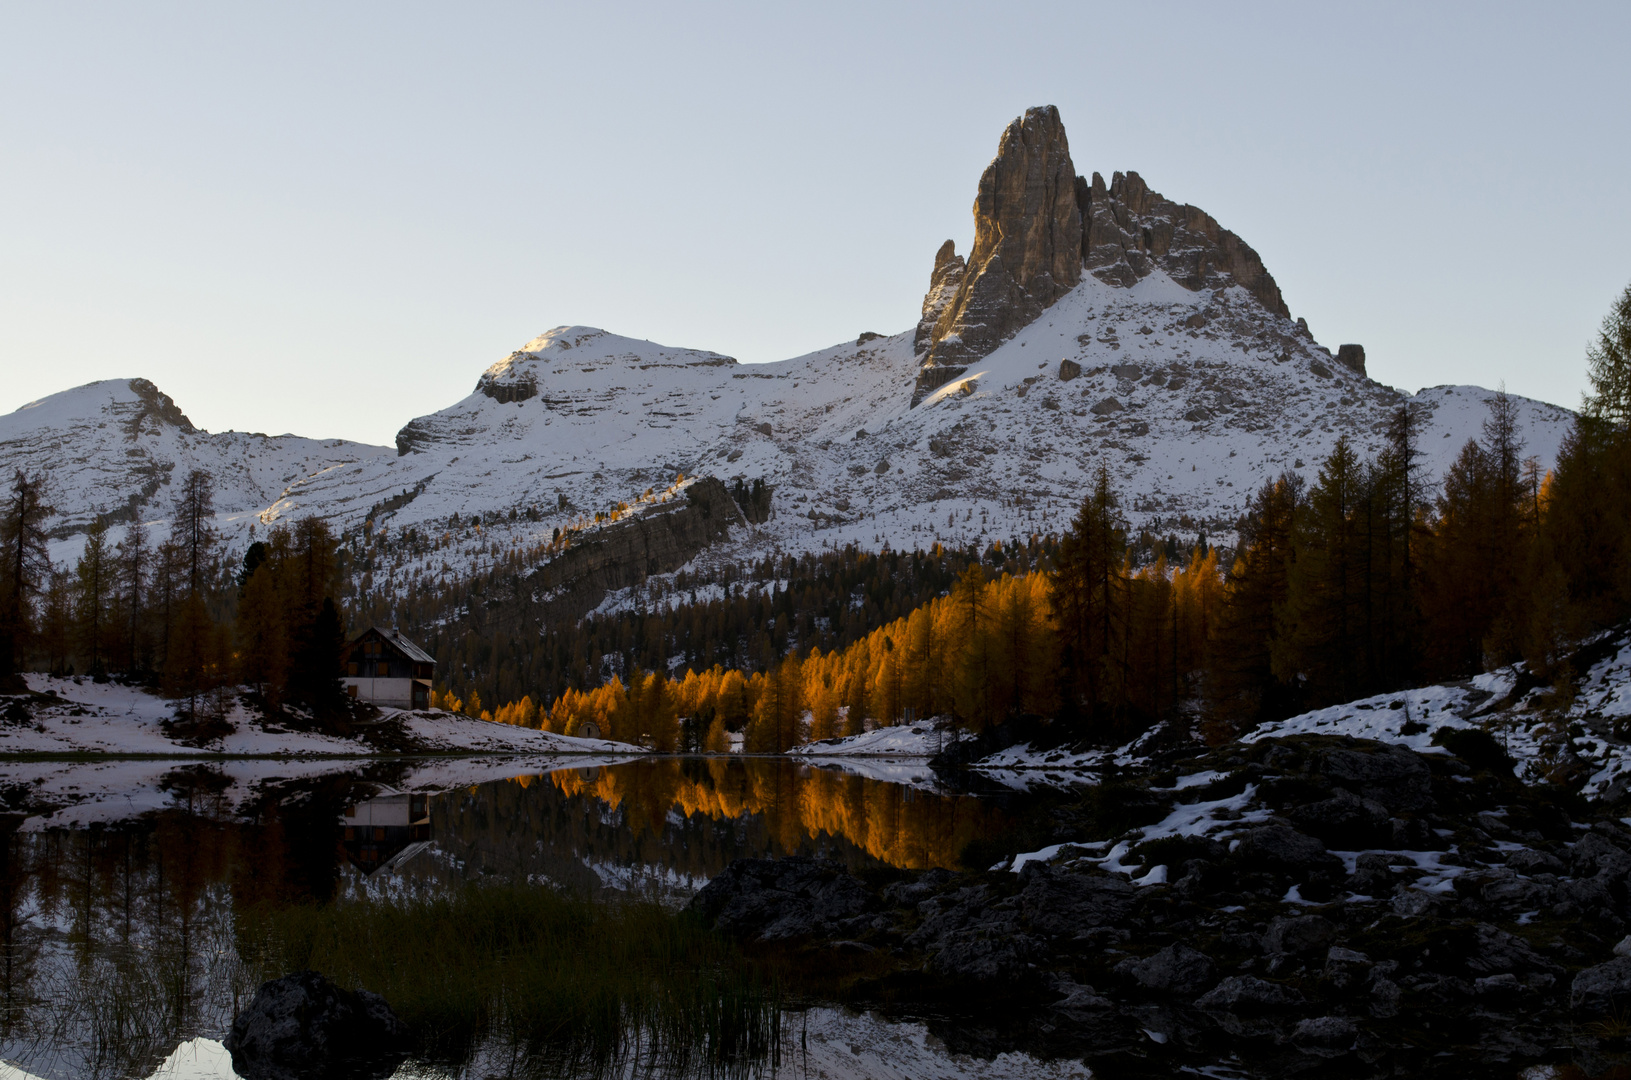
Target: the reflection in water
(663, 827)
(388, 829)
(120, 940)
(846, 815)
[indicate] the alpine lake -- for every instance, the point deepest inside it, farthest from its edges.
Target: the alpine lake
(522, 917)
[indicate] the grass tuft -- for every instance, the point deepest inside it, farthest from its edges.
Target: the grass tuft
(556, 985)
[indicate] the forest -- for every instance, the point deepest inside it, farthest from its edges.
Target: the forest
(178, 613)
(1364, 582)
(1367, 580)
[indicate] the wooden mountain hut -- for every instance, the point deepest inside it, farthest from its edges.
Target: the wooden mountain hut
(386, 668)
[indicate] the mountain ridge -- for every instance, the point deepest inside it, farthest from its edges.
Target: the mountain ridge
(905, 439)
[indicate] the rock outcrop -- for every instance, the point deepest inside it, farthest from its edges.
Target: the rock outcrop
(1352, 357)
(303, 1027)
(506, 381)
(1038, 226)
(1131, 230)
(943, 282)
(1479, 911)
(157, 410)
(627, 552)
(1027, 247)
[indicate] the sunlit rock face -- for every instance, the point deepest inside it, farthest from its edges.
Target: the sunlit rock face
(1037, 226)
(944, 281)
(1131, 230)
(1027, 247)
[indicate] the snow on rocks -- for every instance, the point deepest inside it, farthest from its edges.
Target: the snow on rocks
(1219, 819)
(1543, 739)
(894, 755)
(81, 716)
(1023, 757)
(915, 740)
(1410, 718)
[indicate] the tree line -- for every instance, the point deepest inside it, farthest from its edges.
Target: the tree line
(178, 613)
(1367, 581)
(745, 616)
(982, 652)
(1370, 579)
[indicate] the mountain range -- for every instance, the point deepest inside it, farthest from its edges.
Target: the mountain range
(1092, 324)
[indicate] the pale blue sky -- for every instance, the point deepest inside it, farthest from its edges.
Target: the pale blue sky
(328, 219)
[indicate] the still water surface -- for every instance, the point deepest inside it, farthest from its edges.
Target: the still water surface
(148, 862)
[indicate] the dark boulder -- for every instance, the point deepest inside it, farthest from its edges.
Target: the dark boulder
(1176, 969)
(1275, 847)
(1410, 902)
(1595, 855)
(991, 950)
(783, 899)
(1345, 821)
(1345, 968)
(1298, 934)
(1325, 1036)
(1373, 875)
(1506, 890)
(1393, 776)
(1496, 951)
(972, 936)
(912, 893)
(303, 1027)
(1435, 990)
(1386, 998)
(1530, 861)
(1250, 1008)
(1248, 994)
(1059, 904)
(1603, 989)
(1588, 896)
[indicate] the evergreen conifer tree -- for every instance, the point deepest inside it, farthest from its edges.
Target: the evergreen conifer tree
(25, 566)
(131, 575)
(1088, 601)
(93, 590)
(1608, 367)
(1240, 682)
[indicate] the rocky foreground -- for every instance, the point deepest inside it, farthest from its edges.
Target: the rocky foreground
(1309, 905)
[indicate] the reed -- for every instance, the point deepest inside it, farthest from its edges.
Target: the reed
(555, 985)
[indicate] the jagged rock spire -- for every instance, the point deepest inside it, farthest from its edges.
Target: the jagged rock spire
(1027, 247)
(1037, 226)
(1130, 230)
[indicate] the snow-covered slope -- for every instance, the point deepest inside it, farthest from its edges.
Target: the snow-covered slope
(115, 447)
(1191, 399)
(80, 716)
(1092, 325)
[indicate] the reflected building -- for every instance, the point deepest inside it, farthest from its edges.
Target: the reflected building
(386, 831)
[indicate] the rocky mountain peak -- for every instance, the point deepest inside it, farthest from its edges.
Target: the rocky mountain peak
(943, 283)
(1130, 230)
(1027, 247)
(156, 407)
(1038, 226)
